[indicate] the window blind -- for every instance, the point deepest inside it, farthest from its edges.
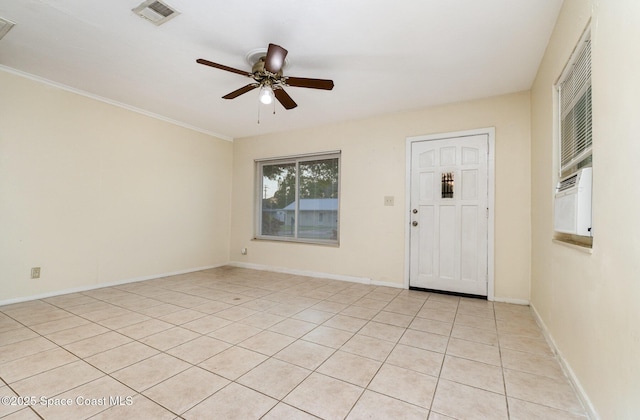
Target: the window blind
(575, 110)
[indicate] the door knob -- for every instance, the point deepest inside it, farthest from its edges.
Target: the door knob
(414, 223)
(415, 211)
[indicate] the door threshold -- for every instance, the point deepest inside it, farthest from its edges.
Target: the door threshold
(445, 292)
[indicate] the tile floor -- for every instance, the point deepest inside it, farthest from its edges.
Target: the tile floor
(231, 343)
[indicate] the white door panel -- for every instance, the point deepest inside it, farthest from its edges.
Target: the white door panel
(448, 236)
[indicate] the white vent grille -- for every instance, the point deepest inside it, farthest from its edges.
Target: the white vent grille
(156, 11)
(567, 183)
(5, 26)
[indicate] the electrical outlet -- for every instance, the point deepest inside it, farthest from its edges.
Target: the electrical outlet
(35, 272)
(388, 200)
(243, 251)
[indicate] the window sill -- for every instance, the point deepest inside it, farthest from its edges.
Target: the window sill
(298, 241)
(574, 245)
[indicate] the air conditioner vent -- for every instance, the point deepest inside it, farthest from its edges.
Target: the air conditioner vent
(5, 26)
(567, 183)
(156, 11)
(572, 204)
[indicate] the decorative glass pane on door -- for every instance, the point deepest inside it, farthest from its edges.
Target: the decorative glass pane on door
(447, 185)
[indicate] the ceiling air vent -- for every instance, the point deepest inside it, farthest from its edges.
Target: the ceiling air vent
(156, 11)
(5, 26)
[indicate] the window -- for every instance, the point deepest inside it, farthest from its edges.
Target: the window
(298, 198)
(574, 95)
(572, 203)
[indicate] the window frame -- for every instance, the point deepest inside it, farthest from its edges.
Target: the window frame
(259, 191)
(578, 158)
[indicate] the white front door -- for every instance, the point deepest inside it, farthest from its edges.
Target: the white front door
(449, 215)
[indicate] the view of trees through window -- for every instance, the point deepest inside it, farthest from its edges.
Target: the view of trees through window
(300, 199)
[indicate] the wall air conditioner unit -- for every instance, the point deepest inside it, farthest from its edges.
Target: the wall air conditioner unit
(572, 207)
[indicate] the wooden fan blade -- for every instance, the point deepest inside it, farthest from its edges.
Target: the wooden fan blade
(274, 60)
(240, 91)
(222, 67)
(284, 98)
(309, 83)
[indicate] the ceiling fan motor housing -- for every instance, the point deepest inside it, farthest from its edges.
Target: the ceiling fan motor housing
(258, 68)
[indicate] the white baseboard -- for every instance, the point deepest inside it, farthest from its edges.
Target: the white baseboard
(511, 300)
(353, 279)
(101, 285)
(387, 284)
(584, 398)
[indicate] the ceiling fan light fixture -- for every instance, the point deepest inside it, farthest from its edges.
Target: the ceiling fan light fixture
(267, 75)
(266, 95)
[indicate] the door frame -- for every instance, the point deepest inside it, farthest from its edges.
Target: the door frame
(490, 132)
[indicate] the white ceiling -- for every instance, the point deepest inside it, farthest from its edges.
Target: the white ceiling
(383, 56)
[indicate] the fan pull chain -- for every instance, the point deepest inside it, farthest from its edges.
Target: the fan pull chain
(258, 112)
(274, 110)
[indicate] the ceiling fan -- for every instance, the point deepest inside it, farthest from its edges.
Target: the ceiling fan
(267, 75)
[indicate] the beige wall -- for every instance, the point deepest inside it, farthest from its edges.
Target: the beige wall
(94, 193)
(372, 236)
(589, 302)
